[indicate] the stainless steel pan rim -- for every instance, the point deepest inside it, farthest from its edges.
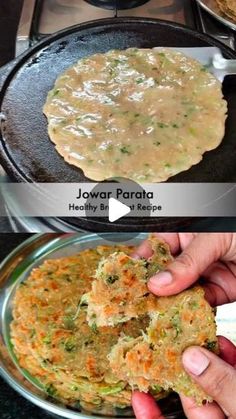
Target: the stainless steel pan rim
(224, 21)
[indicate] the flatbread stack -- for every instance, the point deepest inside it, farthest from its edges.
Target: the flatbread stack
(228, 8)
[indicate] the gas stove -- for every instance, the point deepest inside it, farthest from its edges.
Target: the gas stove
(40, 18)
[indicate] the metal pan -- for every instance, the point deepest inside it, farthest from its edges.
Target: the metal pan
(211, 7)
(27, 154)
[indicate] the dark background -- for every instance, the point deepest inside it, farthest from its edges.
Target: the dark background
(9, 18)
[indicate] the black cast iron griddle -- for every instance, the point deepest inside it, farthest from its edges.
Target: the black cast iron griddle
(27, 154)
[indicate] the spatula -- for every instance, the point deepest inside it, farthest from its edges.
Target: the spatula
(212, 59)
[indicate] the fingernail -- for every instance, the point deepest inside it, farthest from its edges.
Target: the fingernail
(195, 361)
(161, 280)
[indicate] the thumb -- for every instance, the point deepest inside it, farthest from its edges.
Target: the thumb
(203, 250)
(215, 376)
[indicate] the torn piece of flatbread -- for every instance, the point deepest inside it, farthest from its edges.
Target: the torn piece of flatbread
(119, 292)
(154, 360)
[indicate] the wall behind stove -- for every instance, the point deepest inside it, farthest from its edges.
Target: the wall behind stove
(9, 19)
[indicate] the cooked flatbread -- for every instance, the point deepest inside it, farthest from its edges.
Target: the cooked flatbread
(228, 8)
(141, 114)
(154, 360)
(119, 293)
(53, 341)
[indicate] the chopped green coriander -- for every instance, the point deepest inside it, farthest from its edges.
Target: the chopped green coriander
(70, 345)
(33, 333)
(157, 388)
(124, 150)
(162, 125)
(69, 322)
(176, 323)
(192, 131)
(74, 388)
(111, 279)
(140, 80)
(47, 340)
(194, 305)
(55, 92)
(94, 328)
(51, 390)
(210, 345)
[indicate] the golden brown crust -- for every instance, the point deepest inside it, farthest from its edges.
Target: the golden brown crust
(119, 292)
(228, 8)
(54, 342)
(155, 358)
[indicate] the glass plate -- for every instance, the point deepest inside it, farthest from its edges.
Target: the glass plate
(15, 269)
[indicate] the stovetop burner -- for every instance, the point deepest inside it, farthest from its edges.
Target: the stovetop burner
(117, 4)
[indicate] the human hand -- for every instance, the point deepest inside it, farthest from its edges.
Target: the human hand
(212, 257)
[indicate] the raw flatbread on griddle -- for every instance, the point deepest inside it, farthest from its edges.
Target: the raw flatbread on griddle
(141, 114)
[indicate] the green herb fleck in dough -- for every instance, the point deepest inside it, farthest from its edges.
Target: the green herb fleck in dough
(211, 345)
(140, 80)
(125, 150)
(193, 131)
(69, 322)
(47, 340)
(157, 388)
(51, 390)
(162, 125)
(94, 328)
(74, 388)
(33, 333)
(55, 92)
(70, 345)
(111, 279)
